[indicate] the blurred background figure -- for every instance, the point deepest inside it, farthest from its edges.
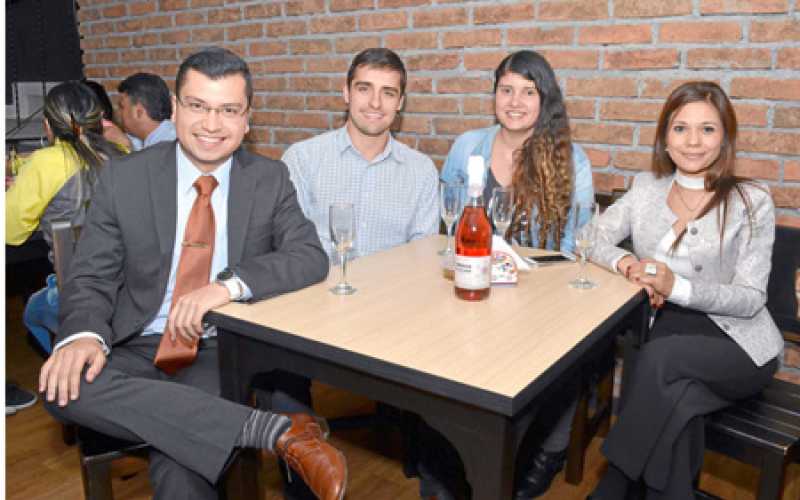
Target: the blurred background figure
(145, 110)
(111, 131)
(55, 183)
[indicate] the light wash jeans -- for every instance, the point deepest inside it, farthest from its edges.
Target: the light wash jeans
(41, 314)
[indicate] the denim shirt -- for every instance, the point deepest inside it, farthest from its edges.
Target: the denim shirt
(480, 142)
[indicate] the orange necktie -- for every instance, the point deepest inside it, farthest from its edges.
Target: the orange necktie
(194, 269)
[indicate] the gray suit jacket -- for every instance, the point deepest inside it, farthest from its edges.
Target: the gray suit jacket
(731, 286)
(118, 276)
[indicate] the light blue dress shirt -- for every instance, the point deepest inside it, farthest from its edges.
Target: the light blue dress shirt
(185, 196)
(395, 195)
(164, 132)
(480, 141)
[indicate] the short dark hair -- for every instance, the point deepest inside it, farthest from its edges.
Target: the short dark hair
(378, 58)
(216, 63)
(150, 91)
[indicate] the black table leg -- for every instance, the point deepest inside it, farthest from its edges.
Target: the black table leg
(486, 445)
(640, 331)
(242, 478)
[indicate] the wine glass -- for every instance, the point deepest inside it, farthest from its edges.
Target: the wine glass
(502, 208)
(584, 241)
(342, 223)
(451, 200)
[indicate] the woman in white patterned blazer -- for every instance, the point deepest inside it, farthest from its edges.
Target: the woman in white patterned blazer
(702, 240)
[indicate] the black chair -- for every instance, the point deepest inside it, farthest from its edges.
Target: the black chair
(764, 431)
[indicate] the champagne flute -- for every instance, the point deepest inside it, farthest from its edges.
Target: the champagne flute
(451, 202)
(502, 208)
(584, 241)
(342, 224)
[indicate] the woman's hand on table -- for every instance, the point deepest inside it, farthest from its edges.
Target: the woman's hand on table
(654, 274)
(635, 271)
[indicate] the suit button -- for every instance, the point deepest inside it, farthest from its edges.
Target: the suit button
(698, 268)
(693, 231)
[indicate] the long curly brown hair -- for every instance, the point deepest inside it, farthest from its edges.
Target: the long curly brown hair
(543, 176)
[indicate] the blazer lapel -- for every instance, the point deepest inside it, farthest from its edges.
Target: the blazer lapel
(163, 183)
(240, 202)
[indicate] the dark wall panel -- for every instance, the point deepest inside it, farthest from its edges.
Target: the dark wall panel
(42, 41)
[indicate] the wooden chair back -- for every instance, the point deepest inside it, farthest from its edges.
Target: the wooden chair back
(64, 238)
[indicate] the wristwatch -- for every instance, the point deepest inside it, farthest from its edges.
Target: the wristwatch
(229, 280)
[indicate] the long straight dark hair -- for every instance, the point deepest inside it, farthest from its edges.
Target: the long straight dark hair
(720, 177)
(74, 116)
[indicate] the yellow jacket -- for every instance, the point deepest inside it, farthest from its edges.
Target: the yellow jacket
(39, 178)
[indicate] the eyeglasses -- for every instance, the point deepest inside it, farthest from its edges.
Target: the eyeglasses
(229, 111)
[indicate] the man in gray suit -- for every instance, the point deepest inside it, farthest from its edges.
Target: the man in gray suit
(118, 298)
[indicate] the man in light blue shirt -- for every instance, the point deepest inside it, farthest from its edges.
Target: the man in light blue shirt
(145, 110)
(392, 186)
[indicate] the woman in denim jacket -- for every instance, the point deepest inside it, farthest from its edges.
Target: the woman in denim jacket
(530, 150)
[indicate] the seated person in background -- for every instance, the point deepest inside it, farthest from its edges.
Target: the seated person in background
(134, 359)
(393, 188)
(57, 182)
(145, 110)
(111, 130)
(702, 240)
(530, 150)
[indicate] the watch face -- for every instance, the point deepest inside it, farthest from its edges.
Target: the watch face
(225, 274)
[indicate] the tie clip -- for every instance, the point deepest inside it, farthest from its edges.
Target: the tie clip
(194, 244)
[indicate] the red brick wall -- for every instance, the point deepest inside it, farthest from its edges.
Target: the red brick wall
(616, 61)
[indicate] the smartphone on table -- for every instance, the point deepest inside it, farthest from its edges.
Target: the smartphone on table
(546, 260)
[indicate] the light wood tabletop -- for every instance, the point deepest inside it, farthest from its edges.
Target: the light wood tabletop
(406, 313)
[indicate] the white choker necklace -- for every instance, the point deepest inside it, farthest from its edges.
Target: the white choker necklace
(690, 182)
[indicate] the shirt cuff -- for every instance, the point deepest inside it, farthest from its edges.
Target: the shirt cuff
(616, 261)
(81, 335)
(237, 289)
(247, 294)
(681, 291)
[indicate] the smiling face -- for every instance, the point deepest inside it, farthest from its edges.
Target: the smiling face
(373, 100)
(694, 138)
(516, 102)
(209, 138)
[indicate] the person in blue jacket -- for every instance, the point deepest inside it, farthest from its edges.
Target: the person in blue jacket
(529, 149)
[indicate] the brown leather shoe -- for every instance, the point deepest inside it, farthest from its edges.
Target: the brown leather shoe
(320, 465)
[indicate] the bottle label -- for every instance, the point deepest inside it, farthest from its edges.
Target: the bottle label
(473, 273)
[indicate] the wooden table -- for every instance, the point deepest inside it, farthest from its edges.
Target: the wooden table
(473, 371)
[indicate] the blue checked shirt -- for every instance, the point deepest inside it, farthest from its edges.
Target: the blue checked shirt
(395, 195)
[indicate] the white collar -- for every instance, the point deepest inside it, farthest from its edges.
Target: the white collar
(690, 182)
(188, 173)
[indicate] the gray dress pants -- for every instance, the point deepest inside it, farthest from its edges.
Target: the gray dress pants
(192, 430)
